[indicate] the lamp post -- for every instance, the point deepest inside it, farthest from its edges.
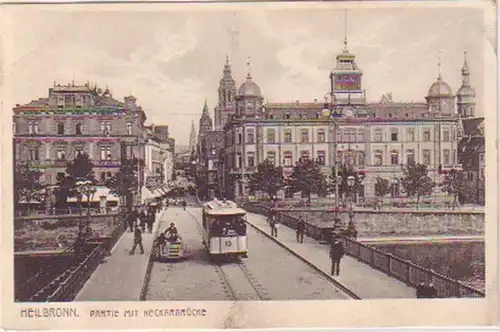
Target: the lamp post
(395, 182)
(84, 188)
(350, 183)
(334, 113)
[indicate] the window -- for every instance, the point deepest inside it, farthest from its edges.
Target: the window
(394, 135)
(129, 128)
(287, 116)
(61, 153)
(33, 154)
(410, 135)
(481, 158)
(427, 135)
(378, 158)
(78, 129)
(349, 158)
(378, 135)
(454, 157)
(321, 157)
(394, 157)
(33, 128)
(453, 134)
(352, 135)
(410, 156)
(60, 101)
(110, 175)
(240, 138)
(361, 158)
(304, 154)
(446, 157)
(213, 151)
(288, 158)
(106, 128)
(106, 153)
(304, 136)
(250, 136)
(239, 161)
(78, 151)
(361, 135)
(339, 135)
(446, 135)
(271, 156)
(271, 135)
(426, 156)
(288, 135)
(60, 129)
(14, 128)
(251, 159)
(321, 136)
(103, 176)
(79, 101)
(345, 135)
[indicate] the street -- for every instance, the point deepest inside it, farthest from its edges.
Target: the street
(269, 273)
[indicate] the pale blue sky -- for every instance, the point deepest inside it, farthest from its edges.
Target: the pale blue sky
(172, 61)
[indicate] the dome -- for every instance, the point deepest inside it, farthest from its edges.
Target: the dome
(466, 91)
(249, 88)
(440, 89)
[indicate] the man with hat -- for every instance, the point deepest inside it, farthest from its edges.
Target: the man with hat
(171, 232)
(336, 254)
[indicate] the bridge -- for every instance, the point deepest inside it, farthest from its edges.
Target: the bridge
(276, 269)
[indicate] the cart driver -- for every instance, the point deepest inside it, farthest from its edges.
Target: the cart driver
(171, 232)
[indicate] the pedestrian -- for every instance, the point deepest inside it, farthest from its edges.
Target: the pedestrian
(151, 219)
(142, 219)
(132, 219)
(301, 227)
(137, 240)
(336, 254)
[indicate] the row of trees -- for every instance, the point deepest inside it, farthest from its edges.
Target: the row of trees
(29, 188)
(308, 179)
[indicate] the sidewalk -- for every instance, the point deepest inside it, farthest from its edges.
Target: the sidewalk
(120, 277)
(421, 239)
(360, 278)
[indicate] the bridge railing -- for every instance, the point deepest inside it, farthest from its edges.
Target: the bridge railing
(396, 267)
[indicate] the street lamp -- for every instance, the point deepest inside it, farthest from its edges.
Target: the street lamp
(84, 188)
(350, 183)
(334, 113)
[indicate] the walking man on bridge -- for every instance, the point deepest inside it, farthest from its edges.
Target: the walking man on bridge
(336, 254)
(137, 240)
(301, 227)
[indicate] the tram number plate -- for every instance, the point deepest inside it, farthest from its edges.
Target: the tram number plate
(228, 243)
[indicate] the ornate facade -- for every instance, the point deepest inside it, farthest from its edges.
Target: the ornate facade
(51, 131)
(373, 137)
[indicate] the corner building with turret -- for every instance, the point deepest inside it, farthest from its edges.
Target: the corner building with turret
(375, 138)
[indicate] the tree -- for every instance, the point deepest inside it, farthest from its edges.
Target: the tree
(125, 182)
(268, 178)
(454, 184)
(344, 173)
(79, 169)
(415, 181)
(307, 178)
(27, 185)
(382, 187)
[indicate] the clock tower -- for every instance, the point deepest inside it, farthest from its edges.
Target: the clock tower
(346, 79)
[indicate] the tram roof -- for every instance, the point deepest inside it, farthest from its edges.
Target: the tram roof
(217, 207)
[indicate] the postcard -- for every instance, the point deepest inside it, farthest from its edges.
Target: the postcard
(249, 165)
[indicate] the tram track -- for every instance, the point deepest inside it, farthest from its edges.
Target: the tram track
(238, 281)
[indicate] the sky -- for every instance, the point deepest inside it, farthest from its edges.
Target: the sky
(172, 60)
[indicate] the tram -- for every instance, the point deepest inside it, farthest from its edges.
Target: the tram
(224, 230)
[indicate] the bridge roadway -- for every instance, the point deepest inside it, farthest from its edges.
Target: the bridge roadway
(269, 273)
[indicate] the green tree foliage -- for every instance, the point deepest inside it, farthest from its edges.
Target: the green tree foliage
(382, 187)
(415, 181)
(344, 173)
(125, 182)
(27, 185)
(307, 178)
(268, 178)
(454, 184)
(79, 169)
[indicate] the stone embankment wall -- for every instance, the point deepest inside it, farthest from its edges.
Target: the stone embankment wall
(402, 223)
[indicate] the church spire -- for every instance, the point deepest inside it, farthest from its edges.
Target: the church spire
(465, 71)
(192, 138)
(440, 77)
(249, 75)
(205, 110)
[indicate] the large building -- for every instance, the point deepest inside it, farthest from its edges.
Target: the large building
(374, 137)
(159, 151)
(51, 131)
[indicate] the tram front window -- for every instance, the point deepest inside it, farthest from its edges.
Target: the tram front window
(228, 226)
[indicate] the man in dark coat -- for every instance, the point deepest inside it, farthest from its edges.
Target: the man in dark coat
(137, 240)
(301, 228)
(336, 254)
(151, 218)
(142, 219)
(132, 219)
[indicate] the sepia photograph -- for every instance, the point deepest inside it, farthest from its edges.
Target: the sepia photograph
(240, 153)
